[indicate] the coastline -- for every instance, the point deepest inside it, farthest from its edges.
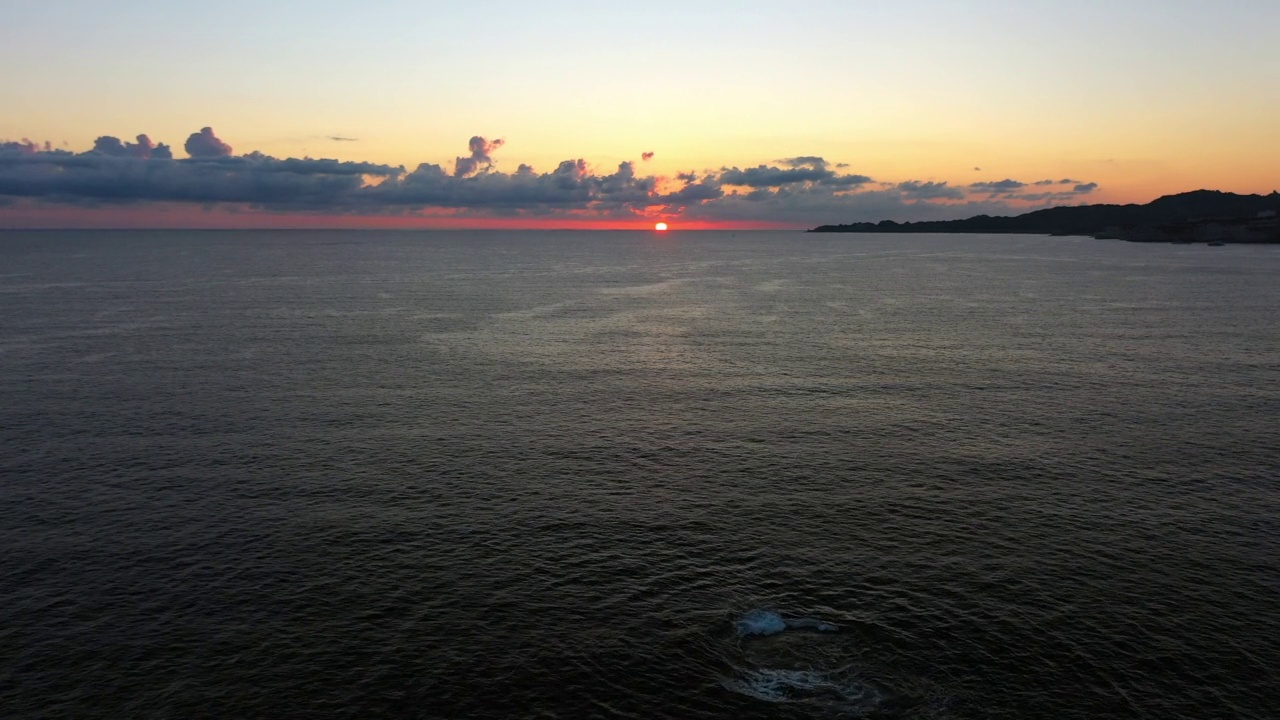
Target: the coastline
(1200, 216)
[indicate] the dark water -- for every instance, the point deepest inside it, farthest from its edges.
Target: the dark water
(449, 475)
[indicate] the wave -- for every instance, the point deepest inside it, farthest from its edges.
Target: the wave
(768, 622)
(783, 677)
(785, 686)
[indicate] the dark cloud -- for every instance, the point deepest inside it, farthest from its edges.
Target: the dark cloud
(339, 138)
(26, 146)
(143, 149)
(811, 205)
(765, 176)
(205, 144)
(1045, 182)
(572, 185)
(1067, 181)
(1048, 197)
(997, 186)
(694, 191)
(846, 181)
(646, 156)
(479, 160)
(802, 189)
(257, 162)
(115, 171)
(105, 179)
(916, 190)
(812, 161)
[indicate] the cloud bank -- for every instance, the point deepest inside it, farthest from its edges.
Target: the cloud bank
(205, 144)
(801, 190)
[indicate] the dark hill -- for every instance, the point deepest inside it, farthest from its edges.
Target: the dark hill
(1127, 221)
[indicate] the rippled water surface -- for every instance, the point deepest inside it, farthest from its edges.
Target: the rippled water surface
(623, 475)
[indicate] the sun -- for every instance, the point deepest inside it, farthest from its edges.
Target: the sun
(660, 227)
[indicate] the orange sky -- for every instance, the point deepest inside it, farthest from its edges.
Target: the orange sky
(1141, 98)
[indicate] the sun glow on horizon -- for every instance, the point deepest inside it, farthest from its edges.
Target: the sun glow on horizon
(660, 227)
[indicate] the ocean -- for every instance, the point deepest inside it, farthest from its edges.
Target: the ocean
(635, 475)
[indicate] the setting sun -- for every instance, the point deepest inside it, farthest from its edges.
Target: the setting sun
(660, 226)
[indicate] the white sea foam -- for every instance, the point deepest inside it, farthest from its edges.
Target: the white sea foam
(783, 685)
(812, 624)
(760, 622)
(776, 685)
(768, 622)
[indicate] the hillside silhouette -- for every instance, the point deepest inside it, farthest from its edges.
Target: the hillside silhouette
(1200, 215)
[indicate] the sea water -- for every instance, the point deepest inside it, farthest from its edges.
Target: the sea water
(689, 475)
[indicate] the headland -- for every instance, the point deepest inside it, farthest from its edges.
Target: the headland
(1207, 216)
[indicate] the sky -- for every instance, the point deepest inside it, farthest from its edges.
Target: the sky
(709, 114)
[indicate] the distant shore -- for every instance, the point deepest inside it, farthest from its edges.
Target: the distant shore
(1201, 216)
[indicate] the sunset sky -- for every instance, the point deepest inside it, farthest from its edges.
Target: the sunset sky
(541, 114)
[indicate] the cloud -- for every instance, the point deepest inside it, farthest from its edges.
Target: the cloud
(479, 160)
(695, 191)
(1064, 181)
(802, 189)
(573, 185)
(115, 172)
(143, 149)
(205, 144)
(812, 161)
(26, 146)
(818, 205)
(339, 138)
(646, 156)
(257, 162)
(765, 176)
(916, 190)
(998, 186)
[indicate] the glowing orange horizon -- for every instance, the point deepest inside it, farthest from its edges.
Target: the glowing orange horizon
(170, 217)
